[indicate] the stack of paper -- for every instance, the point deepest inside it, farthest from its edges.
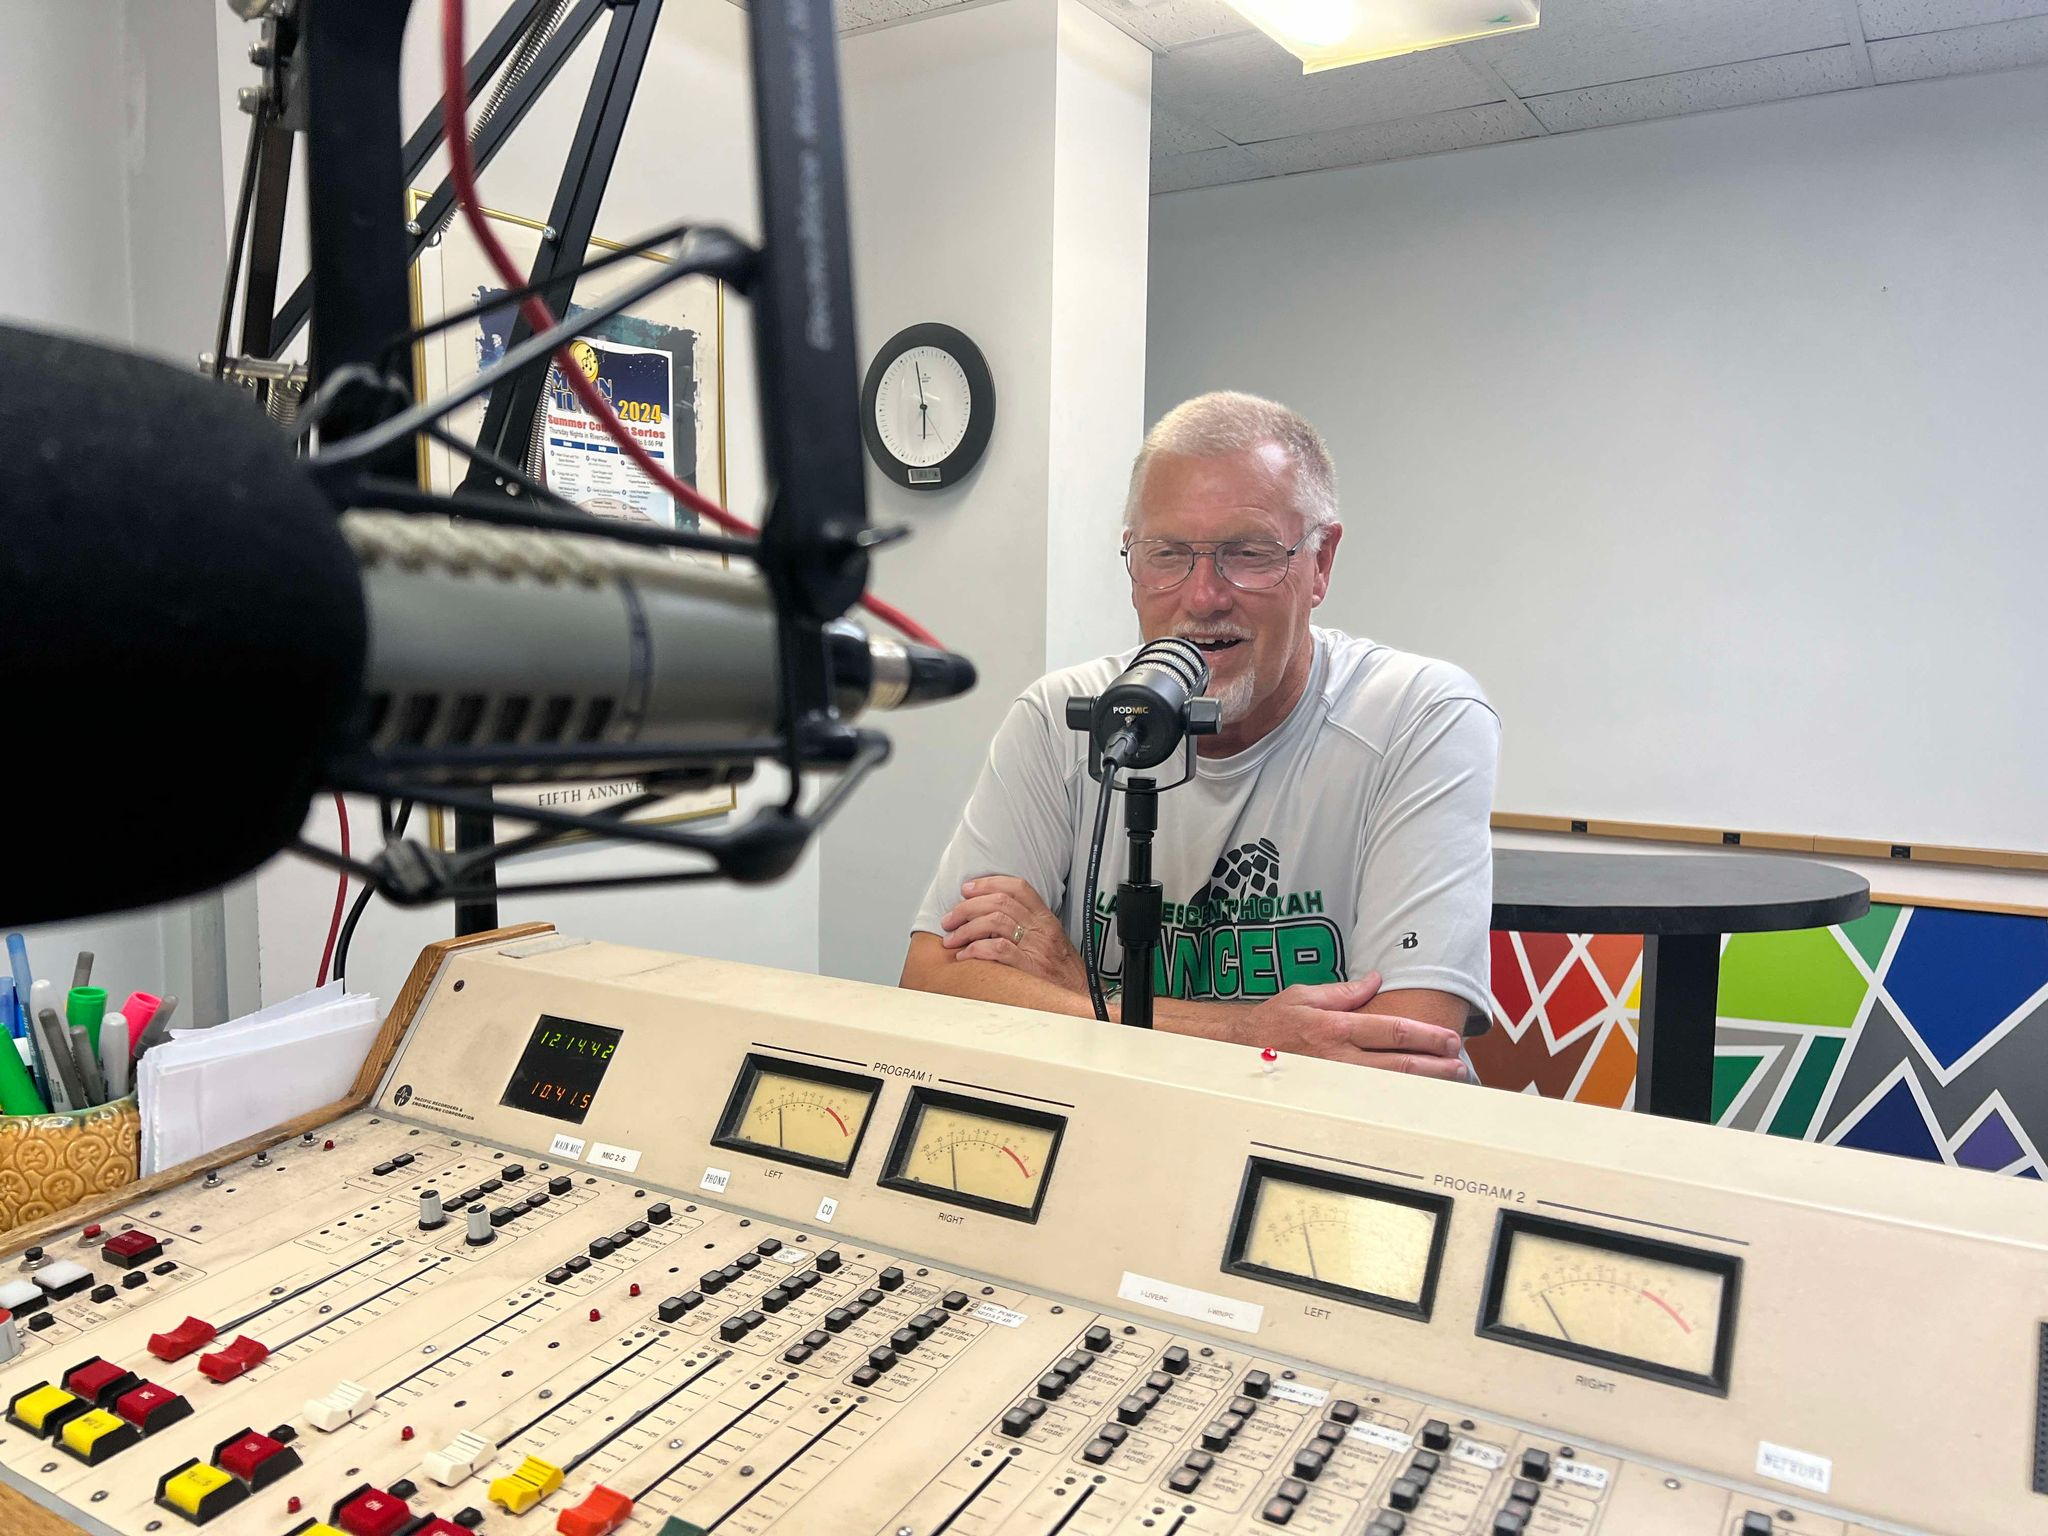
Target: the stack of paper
(203, 1088)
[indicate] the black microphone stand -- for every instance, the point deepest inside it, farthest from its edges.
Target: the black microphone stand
(1138, 902)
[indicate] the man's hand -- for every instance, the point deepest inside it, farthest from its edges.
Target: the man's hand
(1324, 1020)
(1001, 919)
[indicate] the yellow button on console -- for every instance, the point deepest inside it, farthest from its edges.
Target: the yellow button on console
(199, 1492)
(33, 1408)
(314, 1528)
(525, 1486)
(93, 1437)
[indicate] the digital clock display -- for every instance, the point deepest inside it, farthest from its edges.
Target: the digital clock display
(560, 1069)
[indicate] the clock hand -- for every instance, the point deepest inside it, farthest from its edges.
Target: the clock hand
(924, 421)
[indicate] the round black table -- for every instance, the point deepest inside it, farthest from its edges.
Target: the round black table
(1681, 904)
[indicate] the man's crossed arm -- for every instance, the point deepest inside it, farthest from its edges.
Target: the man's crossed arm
(1003, 945)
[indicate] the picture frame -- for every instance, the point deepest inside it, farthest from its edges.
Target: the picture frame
(663, 362)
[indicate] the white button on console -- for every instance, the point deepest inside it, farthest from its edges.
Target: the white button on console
(16, 1295)
(62, 1279)
(456, 1460)
(329, 1413)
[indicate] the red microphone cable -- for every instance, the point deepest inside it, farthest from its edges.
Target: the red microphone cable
(340, 894)
(462, 171)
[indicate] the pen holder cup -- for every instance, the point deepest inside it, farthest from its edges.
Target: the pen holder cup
(49, 1163)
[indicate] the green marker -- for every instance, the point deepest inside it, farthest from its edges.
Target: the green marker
(87, 1006)
(18, 1094)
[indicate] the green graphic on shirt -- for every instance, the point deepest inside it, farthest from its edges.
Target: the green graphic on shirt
(1241, 936)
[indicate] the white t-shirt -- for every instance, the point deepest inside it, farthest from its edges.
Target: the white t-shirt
(1352, 838)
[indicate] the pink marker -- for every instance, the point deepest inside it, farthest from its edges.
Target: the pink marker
(140, 1008)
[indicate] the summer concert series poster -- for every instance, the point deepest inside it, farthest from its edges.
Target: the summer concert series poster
(661, 367)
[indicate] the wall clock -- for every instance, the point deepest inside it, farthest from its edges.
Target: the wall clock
(927, 407)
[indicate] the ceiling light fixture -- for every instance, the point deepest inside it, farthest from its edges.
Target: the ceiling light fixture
(1329, 34)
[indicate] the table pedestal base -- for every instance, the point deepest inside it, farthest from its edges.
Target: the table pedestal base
(1675, 1038)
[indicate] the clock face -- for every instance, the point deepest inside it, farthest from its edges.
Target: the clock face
(927, 407)
(923, 406)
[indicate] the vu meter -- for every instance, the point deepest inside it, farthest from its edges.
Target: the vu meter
(1349, 1239)
(986, 1156)
(1651, 1308)
(795, 1112)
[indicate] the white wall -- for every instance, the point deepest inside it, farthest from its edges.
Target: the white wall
(997, 176)
(65, 241)
(1102, 118)
(687, 152)
(1712, 446)
(109, 171)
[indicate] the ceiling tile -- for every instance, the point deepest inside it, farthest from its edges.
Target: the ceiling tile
(857, 15)
(1174, 23)
(1175, 135)
(1699, 90)
(1205, 168)
(1494, 123)
(1904, 18)
(1597, 42)
(1250, 88)
(2002, 45)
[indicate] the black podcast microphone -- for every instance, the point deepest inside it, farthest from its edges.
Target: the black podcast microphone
(192, 638)
(1155, 703)
(1142, 718)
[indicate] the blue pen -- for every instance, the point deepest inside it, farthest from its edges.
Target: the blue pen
(24, 979)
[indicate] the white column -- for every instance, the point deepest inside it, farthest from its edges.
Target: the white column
(998, 159)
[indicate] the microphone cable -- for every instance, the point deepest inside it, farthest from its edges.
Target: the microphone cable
(340, 895)
(1091, 954)
(393, 830)
(462, 172)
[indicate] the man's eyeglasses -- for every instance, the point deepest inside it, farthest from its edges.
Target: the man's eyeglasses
(1251, 565)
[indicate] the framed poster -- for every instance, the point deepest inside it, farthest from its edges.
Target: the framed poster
(661, 364)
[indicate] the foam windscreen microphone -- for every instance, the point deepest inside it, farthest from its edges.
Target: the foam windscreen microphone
(200, 640)
(181, 623)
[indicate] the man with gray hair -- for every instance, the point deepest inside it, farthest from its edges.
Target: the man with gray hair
(1328, 872)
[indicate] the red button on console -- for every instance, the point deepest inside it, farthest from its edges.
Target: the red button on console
(238, 1359)
(257, 1460)
(604, 1511)
(372, 1512)
(180, 1341)
(99, 1381)
(125, 1250)
(151, 1407)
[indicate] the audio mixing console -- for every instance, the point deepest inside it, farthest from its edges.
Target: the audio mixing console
(626, 1242)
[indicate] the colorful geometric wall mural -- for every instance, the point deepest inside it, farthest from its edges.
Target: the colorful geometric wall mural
(1919, 1031)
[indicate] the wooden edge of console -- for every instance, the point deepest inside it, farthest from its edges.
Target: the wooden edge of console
(1780, 842)
(414, 993)
(410, 997)
(111, 1200)
(22, 1516)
